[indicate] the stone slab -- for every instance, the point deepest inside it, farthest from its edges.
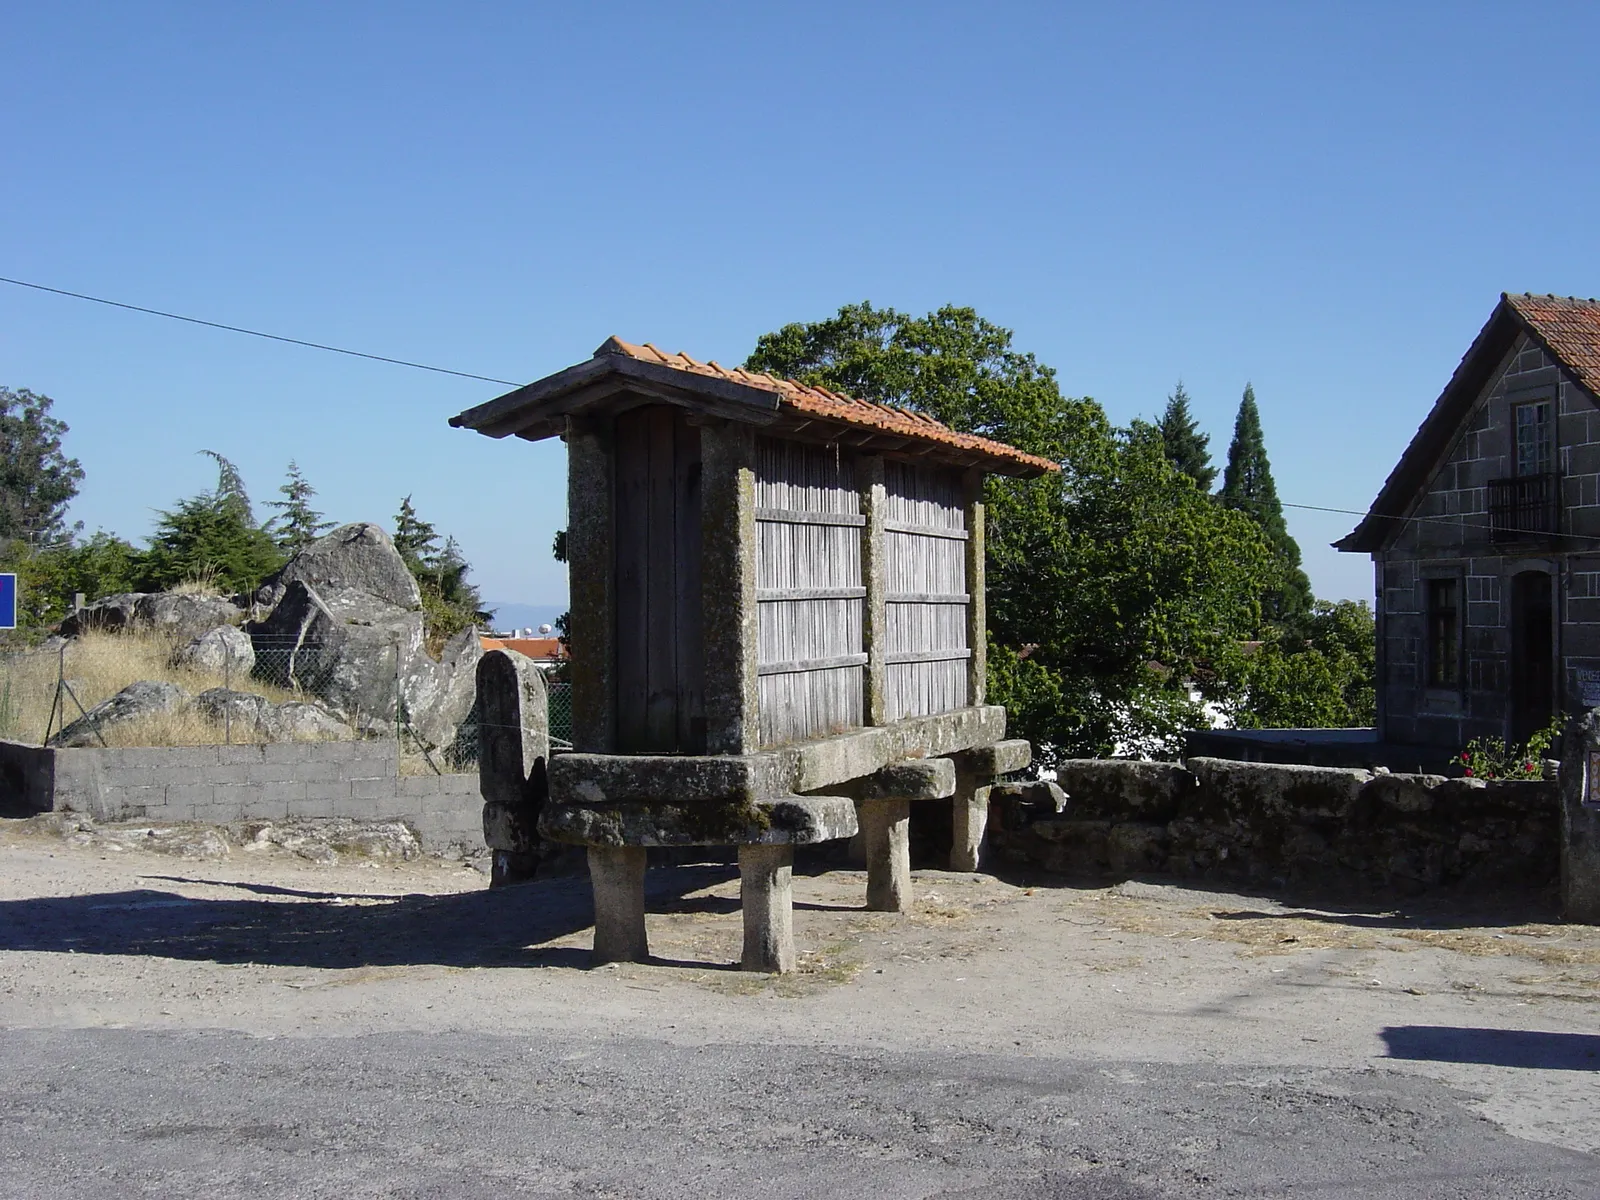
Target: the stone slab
(787, 820)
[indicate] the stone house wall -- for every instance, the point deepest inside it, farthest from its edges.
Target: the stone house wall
(1451, 540)
(218, 784)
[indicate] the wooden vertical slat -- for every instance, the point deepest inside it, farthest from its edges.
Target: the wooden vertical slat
(689, 647)
(977, 606)
(591, 550)
(660, 552)
(632, 579)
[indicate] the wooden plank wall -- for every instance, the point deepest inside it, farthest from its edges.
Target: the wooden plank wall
(660, 666)
(925, 556)
(809, 591)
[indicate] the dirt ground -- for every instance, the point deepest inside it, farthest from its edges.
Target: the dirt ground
(1490, 995)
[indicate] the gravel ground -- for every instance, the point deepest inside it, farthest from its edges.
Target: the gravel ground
(249, 1022)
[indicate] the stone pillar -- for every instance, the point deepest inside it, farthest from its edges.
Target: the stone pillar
(976, 771)
(591, 623)
(875, 611)
(969, 816)
(728, 586)
(766, 893)
(1580, 820)
(616, 874)
(886, 827)
(513, 748)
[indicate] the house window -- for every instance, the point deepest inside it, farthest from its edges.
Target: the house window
(1535, 445)
(1444, 633)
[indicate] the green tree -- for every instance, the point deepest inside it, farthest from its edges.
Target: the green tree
(1109, 585)
(211, 539)
(1186, 447)
(1248, 487)
(297, 524)
(449, 603)
(1320, 676)
(37, 479)
(49, 577)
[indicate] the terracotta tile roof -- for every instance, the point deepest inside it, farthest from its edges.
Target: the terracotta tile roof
(807, 400)
(1569, 327)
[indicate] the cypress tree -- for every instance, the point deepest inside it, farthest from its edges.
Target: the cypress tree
(1247, 485)
(1185, 445)
(297, 524)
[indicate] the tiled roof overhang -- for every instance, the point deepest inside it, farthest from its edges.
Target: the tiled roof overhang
(622, 374)
(1568, 328)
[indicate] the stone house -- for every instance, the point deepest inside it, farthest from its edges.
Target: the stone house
(1485, 539)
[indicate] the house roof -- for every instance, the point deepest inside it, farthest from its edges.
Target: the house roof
(539, 410)
(1567, 327)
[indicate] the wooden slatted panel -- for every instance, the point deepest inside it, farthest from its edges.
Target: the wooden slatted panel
(808, 540)
(925, 556)
(660, 668)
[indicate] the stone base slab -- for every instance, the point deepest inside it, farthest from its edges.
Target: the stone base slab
(784, 821)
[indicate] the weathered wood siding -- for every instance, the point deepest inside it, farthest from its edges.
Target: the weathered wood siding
(809, 591)
(926, 581)
(660, 667)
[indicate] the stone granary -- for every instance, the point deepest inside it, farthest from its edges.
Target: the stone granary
(777, 627)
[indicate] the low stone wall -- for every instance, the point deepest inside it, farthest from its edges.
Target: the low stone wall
(229, 783)
(1270, 823)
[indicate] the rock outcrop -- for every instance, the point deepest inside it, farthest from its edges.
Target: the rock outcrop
(225, 650)
(180, 615)
(137, 701)
(346, 626)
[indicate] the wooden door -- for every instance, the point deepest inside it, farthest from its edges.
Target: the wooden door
(1532, 651)
(660, 670)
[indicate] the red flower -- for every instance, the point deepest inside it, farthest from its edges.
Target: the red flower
(1465, 757)
(1527, 766)
(1468, 771)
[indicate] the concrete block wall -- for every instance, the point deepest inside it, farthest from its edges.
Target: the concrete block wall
(218, 784)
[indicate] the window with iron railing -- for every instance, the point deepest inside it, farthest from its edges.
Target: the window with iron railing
(1522, 508)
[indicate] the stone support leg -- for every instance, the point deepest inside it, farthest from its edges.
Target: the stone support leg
(969, 816)
(766, 892)
(886, 827)
(617, 875)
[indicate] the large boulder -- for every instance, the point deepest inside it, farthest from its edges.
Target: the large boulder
(179, 615)
(107, 613)
(355, 653)
(359, 557)
(137, 701)
(252, 717)
(225, 651)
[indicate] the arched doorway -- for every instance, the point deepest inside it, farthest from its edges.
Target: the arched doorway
(1532, 652)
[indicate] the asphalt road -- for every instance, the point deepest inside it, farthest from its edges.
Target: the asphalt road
(118, 1113)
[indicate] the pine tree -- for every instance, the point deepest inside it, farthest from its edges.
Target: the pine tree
(449, 603)
(212, 539)
(297, 524)
(1247, 486)
(1185, 445)
(414, 538)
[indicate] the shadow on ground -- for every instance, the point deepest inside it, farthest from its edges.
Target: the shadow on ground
(1495, 1047)
(1338, 903)
(505, 927)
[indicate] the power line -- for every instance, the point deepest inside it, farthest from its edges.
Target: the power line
(274, 337)
(400, 362)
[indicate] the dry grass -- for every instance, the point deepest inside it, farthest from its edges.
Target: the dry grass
(99, 665)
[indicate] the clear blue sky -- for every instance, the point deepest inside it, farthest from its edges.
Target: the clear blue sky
(1322, 199)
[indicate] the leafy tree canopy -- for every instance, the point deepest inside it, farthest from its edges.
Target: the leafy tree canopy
(1107, 584)
(37, 479)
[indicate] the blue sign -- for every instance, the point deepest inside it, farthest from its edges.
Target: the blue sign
(8, 601)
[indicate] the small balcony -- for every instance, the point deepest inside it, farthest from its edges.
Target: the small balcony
(1523, 509)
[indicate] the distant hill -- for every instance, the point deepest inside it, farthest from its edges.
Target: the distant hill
(508, 615)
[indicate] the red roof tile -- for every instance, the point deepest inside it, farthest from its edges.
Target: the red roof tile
(1569, 327)
(827, 405)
